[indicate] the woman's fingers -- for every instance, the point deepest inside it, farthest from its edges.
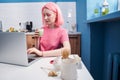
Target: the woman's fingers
(31, 50)
(36, 34)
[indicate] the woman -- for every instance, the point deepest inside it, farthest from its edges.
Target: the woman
(55, 38)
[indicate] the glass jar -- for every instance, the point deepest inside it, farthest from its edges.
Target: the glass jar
(105, 8)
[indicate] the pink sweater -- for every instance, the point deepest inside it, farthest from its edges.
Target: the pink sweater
(52, 38)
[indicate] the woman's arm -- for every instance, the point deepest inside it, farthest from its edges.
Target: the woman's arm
(56, 52)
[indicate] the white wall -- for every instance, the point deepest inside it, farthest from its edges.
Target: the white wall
(69, 13)
(13, 13)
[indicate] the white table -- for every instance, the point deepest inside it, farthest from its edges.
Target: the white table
(34, 72)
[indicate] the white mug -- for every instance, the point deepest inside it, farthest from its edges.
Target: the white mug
(68, 70)
(41, 32)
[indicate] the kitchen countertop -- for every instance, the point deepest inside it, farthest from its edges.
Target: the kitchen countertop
(34, 71)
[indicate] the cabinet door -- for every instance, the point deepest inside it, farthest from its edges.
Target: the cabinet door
(75, 43)
(31, 41)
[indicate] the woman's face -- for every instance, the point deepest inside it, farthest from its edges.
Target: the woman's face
(49, 17)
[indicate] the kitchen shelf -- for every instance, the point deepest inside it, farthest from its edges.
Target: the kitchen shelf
(106, 18)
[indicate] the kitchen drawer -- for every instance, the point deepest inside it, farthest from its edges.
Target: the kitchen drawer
(75, 42)
(31, 41)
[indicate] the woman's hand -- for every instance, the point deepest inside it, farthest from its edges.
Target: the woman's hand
(34, 51)
(39, 32)
(36, 33)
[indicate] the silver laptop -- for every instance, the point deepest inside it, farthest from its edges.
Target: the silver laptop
(13, 49)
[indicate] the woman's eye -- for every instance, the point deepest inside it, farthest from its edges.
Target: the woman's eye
(48, 15)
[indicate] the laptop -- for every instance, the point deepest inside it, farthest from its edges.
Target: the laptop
(13, 49)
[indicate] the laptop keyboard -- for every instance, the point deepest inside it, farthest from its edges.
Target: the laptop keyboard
(30, 59)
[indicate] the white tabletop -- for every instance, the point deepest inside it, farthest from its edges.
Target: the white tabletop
(34, 71)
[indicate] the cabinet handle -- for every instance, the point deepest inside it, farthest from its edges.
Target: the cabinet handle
(33, 37)
(33, 46)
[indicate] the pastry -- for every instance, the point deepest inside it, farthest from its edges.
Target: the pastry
(52, 73)
(65, 53)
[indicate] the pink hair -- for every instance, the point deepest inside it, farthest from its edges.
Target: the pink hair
(53, 7)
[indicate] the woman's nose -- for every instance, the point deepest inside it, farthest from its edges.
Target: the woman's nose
(45, 17)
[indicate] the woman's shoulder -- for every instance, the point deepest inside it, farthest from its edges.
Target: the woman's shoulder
(62, 30)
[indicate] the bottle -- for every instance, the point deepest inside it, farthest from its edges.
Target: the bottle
(0, 26)
(105, 7)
